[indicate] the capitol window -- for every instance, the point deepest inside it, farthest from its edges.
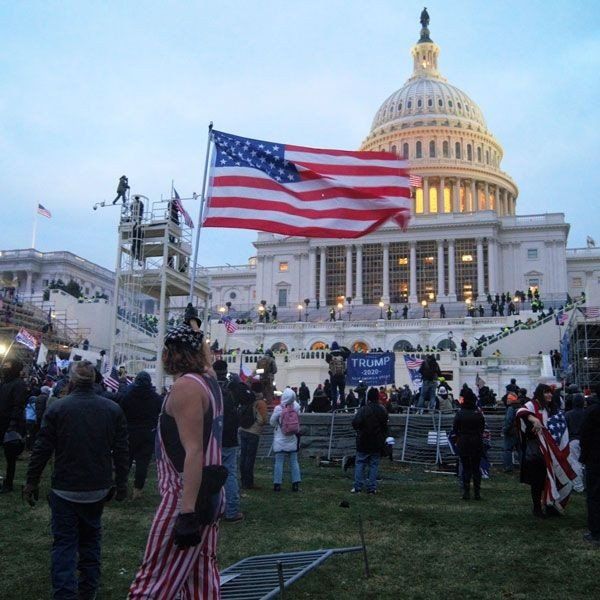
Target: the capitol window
(400, 106)
(487, 157)
(409, 104)
(469, 152)
(450, 103)
(419, 150)
(440, 102)
(457, 150)
(532, 253)
(283, 266)
(430, 102)
(419, 103)
(446, 149)
(479, 154)
(432, 149)
(232, 295)
(405, 150)
(459, 106)
(577, 282)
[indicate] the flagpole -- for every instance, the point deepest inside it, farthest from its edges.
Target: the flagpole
(34, 227)
(200, 212)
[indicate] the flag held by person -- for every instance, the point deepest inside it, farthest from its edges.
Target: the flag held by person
(300, 191)
(230, 325)
(413, 365)
(179, 206)
(26, 338)
(111, 381)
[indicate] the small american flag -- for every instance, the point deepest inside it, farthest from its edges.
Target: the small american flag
(230, 325)
(590, 312)
(179, 206)
(412, 363)
(300, 191)
(42, 210)
(415, 180)
(112, 381)
(562, 318)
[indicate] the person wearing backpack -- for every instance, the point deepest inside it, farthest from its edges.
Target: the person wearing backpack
(371, 425)
(253, 417)
(286, 423)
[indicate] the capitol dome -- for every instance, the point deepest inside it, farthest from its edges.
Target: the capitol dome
(441, 131)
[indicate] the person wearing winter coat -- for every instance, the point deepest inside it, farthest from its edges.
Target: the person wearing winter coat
(141, 405)
(285, 443)
(509, 430)
(371, 425)
(303, 396)
(589, 437)
(468, 427)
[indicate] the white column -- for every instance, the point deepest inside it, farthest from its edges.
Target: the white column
(496, 198)
(441, 209)
(486, 192)
(508, 203)
(28, 283)
(312, 274)
(386, 272)
(322, 294)
(451, 273)
(441, 292)
(492, 267)
(412, 292)
(425, 196)
(359, 291)
(474, 202)
(348, 271)
(480, 274)
(456, 195)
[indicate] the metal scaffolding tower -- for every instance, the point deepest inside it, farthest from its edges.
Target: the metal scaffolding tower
(153, 261)
(584, 351)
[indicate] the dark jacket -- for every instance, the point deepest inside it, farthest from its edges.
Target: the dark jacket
(88, 435)
(231, 420)
(589, 436)
(303, 394)
(468, 426)
(430, 370)
(141, 405)
(574, 420)
(371, 424)
(13, 396)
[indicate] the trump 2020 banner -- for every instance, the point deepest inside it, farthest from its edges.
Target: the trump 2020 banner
(371, 368)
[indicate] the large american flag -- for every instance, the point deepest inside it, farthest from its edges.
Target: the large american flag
(413, 364)
(179, 206)
(26, 338)
(230, 325)
(553, 440)
(310, 192)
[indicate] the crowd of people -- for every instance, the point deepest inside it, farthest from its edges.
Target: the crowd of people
(205, 432)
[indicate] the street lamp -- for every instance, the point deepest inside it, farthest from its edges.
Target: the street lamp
(300, 312)
(381, 305)
(468, 303)
(221, 312)
(424, 305)
(261, 313)
(516, 301)
(339, 307)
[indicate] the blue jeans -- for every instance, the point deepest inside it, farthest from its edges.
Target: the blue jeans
(248, 449)
(428, 395)
(509, 442)
(368, 461)
(232, 491)
(294, 465)
(77, 530)
(338, 387)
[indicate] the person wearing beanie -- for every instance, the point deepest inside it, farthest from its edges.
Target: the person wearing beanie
(87, 434)
(371, 425)
(468, 428)
(285, 438)
(141, 405)
(13, 396)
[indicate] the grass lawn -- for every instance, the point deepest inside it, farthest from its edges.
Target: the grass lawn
(423, 541)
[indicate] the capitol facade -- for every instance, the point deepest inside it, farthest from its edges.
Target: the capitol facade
(465, 239)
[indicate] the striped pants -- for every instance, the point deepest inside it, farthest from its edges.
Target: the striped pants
(170, 573)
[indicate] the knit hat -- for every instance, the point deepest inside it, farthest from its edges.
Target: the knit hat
(288, 396)
(334, 346)
(373, 395)
(143, 379)
(185, 335)
(220, 367)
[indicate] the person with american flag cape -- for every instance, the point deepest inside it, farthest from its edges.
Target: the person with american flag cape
(545, 464)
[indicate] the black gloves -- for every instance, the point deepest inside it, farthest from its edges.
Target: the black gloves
(187, 530)
(30, 494)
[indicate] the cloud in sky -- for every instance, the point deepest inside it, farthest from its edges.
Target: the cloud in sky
(94, 90)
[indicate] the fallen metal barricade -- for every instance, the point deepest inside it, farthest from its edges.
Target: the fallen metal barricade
(265, 576)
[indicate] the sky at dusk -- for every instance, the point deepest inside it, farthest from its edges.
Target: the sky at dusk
(92, 90)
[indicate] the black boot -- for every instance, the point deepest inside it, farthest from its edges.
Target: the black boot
(276, 487)
(296, 486)
(466, 492)
(476, 493)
